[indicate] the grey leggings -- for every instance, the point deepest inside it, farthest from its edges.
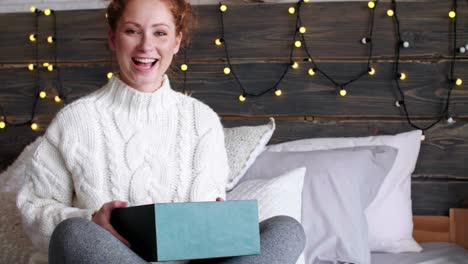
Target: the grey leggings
(78, 240)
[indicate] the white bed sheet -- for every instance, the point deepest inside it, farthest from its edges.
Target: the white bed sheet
(433, 253)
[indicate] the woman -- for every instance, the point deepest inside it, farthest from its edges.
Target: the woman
(135, 141)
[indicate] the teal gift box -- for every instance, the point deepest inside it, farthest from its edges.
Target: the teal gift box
(195, 230)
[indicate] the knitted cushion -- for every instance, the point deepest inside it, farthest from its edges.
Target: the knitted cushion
(243, 145)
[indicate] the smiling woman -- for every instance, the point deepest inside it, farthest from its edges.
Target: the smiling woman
(135, 141)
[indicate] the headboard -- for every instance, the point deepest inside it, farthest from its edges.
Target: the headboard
(259, 37)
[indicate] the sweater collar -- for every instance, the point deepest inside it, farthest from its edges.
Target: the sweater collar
(128, 102)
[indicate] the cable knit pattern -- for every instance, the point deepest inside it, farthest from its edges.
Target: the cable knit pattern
(121, 144)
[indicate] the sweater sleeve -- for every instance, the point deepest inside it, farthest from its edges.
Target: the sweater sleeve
(211, 167)
(46, 197)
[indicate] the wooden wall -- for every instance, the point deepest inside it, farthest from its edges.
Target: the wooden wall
(259, 38)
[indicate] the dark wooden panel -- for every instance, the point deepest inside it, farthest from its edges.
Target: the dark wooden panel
(374, 96)
(436, 197)
(264, 32)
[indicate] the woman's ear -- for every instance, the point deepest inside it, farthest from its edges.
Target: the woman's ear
(178, 41)
(111, 39)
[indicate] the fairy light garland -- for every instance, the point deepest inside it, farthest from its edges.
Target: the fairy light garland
(401, 76)
(229, 69)
(35, 67)
(369, 70)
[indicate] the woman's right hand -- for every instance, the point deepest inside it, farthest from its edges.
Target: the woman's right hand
(102, 218)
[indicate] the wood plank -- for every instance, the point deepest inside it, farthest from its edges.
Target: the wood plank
(265, 34)
(431, 229)
(459, 226)
(303, 95)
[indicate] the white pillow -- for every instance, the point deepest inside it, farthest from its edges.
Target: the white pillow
(243, 145)
(12, 178)
(389, 216)
(281, 195)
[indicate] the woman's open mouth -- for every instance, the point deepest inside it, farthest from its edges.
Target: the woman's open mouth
(144, 64)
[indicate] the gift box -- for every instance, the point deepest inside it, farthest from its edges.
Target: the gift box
(195, 230)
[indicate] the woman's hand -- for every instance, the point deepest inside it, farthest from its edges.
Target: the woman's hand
(102, 218)
(219, 199)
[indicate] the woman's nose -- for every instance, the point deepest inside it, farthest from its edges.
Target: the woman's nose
(146, 44)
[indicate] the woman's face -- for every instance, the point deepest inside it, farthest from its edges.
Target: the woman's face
(145, 42)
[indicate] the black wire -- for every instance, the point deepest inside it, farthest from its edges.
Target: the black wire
(233, 72)
(444, 113)
(359, 75)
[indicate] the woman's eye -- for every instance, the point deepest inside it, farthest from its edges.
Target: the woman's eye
(160, 33)
(131, 31)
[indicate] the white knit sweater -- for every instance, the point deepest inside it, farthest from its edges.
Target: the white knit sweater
(121, 144)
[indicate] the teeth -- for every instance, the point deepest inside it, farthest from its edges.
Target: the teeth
(145, 60)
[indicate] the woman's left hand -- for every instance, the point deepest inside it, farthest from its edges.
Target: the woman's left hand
(219, 199)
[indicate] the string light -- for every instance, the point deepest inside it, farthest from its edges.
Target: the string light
(184, 67)
(50, 39)
(31, 67)
(458, 82)
(47, 12)
(405, 44)
(311, 72)
(423, 137)
(365, 40)
(398, 103)
(45, 64)
(450, 120)
(305, 1)
(461, 50)
(227, 70)
(343, 91)
(371, 71)
(402, 76)
(34, 126)
(295, 65)
(390, 12)
(292, 10)
(297, 43)
(33, 9)
(57, 99)
(302, 30)
(223, 8)
(219, 42)
(371, 4)
(242, 98)
(2, 124)
(50, 67)
(109, 75)
(278, 92)
(32, 37)
(42, 94)
(452, 14)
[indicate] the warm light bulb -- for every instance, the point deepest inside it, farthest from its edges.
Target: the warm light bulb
(405, 44)
(218, 42)
(306, 1)
(227, 70)
(50, 67)
(365, 40)
(302, 30)
(390, 13)
(297, 43)
(2, 124)
(223, 8)
(402, 76)
(50, 39)
(32, 37)
(461, 49)
(450, 120)
(295, 65)
(34, 126)
(343, 92)
(33, 9)
(398, 103)
(371, 4)
(107, 15)
(278, 92)
(57, 99)
(47, 12)
(45, 64)
(452, 14)
(31, 67)
(292, 10)
(242, 98)
(423, 137)
(42, 94)
(311, 72)
(371, 71)
(183, 67)
(458, 81)
(109, 75)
